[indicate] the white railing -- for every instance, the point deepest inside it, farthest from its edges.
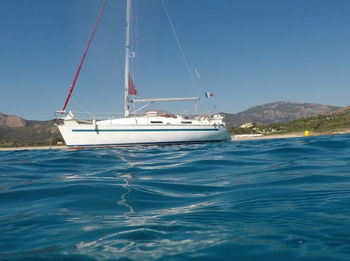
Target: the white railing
(87, 115)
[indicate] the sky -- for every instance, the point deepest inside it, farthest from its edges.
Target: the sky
(247, 53)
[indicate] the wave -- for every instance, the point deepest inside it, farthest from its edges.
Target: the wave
(267, 199)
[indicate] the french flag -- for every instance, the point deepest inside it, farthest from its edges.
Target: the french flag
(208, 94)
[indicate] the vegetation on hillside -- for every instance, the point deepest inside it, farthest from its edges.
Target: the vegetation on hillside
(320, 123)
(39, 134)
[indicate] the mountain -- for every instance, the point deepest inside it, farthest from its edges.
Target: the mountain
(345, 109)
(277, 112)
(16, 131)
(337, 121)
(11, 121)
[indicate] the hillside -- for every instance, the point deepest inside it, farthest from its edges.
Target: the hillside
(277, 112)
(337, 121)
(16, 131)
(11, 121)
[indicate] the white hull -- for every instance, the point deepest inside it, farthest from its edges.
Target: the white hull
(129, 132)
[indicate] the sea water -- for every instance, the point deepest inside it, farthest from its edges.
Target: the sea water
(282, 199)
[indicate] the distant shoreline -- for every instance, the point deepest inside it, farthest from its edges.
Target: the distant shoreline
(233, 138)
(33, 148)
(287, 135)
(267, 137)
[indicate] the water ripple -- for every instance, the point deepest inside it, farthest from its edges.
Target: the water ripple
(267, 199)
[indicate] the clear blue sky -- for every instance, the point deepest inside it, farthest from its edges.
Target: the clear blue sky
(248, 52)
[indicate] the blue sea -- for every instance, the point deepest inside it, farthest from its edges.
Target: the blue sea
(282, 199)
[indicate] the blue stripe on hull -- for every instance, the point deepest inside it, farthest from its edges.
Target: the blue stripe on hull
(139, 144)
(139, 130)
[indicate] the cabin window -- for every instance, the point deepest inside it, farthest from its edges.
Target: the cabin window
(186, 122)
(156, 122)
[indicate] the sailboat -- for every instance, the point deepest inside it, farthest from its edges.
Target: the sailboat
(151, 128)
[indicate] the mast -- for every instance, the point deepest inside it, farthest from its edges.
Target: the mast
(127, 58)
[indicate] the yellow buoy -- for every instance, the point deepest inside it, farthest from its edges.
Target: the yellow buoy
(306, 133)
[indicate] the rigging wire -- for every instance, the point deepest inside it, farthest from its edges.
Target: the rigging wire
(133, 43)
(93, 115)
(83, 108)
(180, 46)
(84, 54)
